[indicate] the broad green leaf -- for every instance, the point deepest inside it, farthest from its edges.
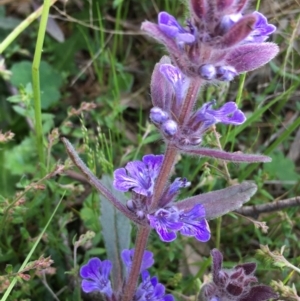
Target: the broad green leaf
(116, 228)
(50, 81)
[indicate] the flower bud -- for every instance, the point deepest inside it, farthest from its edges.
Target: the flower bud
(226, 73)
(207, 71)
(169, 128)
(158, 116)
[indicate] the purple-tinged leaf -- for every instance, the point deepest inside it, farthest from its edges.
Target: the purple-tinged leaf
(248, 267)
(217, 260)
(251, 56)
(161, 94)
(220, 202)
(219, 154)
(155, 32)
(234, 289)
(238, 32)
(240, 5)
(198, 8)
(260, 293)
(224, 4)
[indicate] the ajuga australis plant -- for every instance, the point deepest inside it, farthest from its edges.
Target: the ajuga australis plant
(218, 42)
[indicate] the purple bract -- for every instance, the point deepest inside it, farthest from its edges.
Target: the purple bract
(95, 276)
(234, 284)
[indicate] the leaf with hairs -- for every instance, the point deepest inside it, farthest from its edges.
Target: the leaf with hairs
(116, 229)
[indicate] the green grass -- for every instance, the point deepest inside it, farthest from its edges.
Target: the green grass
(98, 63)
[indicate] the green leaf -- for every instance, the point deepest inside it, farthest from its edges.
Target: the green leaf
(281, 168)
(116, 228)
(8, 268)
(18, 160)
(50, 81)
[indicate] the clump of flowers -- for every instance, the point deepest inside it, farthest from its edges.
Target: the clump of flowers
(234, 284)
(96, 274)
(219, 41)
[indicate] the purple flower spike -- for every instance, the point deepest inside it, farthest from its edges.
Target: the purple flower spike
(127, 257)
(95, 276)
(169, 25)
(195, 224)
(165, 222)
(138, 175)
(151, 290)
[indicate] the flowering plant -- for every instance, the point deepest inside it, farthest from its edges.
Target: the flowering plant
(219, 42)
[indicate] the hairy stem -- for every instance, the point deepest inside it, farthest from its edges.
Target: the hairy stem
(96, 183)
(190, 100)
(132, 279)
(165, 171)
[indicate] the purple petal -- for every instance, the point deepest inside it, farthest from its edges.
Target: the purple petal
(138, 175)
(153, 164)
(96, 276)
(122, 181)
(127, 257)
(165, 222)
(262, 29)
(251, 56)
(169, 25)
(194, 223)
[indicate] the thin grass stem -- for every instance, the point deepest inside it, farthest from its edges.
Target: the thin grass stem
(22, 26)
(36, 84)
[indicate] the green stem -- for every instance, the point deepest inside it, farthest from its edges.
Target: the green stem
(21, 27)
(36, 84)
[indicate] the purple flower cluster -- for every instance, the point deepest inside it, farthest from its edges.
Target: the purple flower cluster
(219, 42)
(168, 90)
(96, 275)
(140, 176)
(234, 284)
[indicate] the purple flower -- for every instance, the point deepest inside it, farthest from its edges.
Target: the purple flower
(139, 176)
(195, 224)
(167, 222)
(95, 276)
(151, 290)
(169, 25)
(127, 257)
(227, 114)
